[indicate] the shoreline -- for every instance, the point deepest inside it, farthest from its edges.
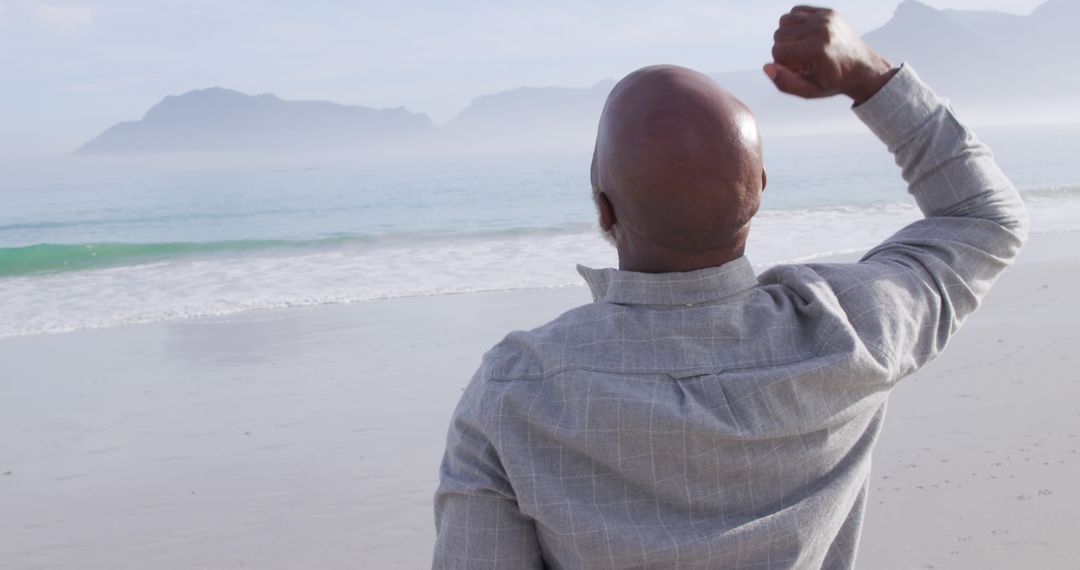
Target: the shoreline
(847, 255)
(311, 437)
(232, 282)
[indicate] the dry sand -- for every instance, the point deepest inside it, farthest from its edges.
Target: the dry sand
(310, 438)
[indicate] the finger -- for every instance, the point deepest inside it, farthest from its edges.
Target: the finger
(793, 18)
(792, 53)
(802, 19)
(796, 32)
(788, 81)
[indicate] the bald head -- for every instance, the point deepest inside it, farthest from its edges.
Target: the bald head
(678, 164)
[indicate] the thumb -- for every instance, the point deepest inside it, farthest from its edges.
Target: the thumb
(788, 81)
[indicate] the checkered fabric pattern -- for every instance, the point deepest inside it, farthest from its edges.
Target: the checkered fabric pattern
(718, 419)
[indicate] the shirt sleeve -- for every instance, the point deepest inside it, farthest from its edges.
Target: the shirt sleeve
(908, 295)
(477, 520)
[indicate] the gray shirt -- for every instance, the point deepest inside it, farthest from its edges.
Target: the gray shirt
(718, 419)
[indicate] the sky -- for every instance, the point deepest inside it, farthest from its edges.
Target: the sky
(70, 69)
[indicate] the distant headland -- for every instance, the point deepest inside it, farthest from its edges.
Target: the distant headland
(996, 67)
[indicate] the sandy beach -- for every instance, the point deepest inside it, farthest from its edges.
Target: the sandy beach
(311, 437)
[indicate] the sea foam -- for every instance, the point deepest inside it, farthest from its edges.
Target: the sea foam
(222, 280)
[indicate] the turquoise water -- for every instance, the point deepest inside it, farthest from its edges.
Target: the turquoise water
(93, 242)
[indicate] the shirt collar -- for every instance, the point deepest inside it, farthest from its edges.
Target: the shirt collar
(676, 288)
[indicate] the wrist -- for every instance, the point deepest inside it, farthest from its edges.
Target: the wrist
(875, 76)
(901, 106)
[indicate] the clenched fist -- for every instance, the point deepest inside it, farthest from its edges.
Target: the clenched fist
(816, 54)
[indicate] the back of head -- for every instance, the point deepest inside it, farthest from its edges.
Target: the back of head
(678, 159)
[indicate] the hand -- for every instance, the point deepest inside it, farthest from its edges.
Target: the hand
(816, 54)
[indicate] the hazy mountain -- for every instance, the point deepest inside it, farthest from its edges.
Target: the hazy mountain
(994, 67)
(222, 120)
(535, 117)
(989, 61)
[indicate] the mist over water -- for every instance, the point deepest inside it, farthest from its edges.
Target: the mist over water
(92, 242)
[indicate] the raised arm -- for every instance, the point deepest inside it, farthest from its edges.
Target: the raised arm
(907, 296)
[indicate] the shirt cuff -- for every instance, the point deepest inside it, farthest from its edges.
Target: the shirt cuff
(899, 108)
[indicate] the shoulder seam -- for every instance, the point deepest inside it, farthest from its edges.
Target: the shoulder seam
(673, 372)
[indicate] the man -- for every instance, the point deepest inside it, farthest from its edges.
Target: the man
(697, 416)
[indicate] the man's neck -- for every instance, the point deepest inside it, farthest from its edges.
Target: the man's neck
(653, 258)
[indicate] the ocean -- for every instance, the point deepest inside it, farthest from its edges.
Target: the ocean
(99, 242)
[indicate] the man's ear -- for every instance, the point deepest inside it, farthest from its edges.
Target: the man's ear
(607, 211)
(764, 179)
